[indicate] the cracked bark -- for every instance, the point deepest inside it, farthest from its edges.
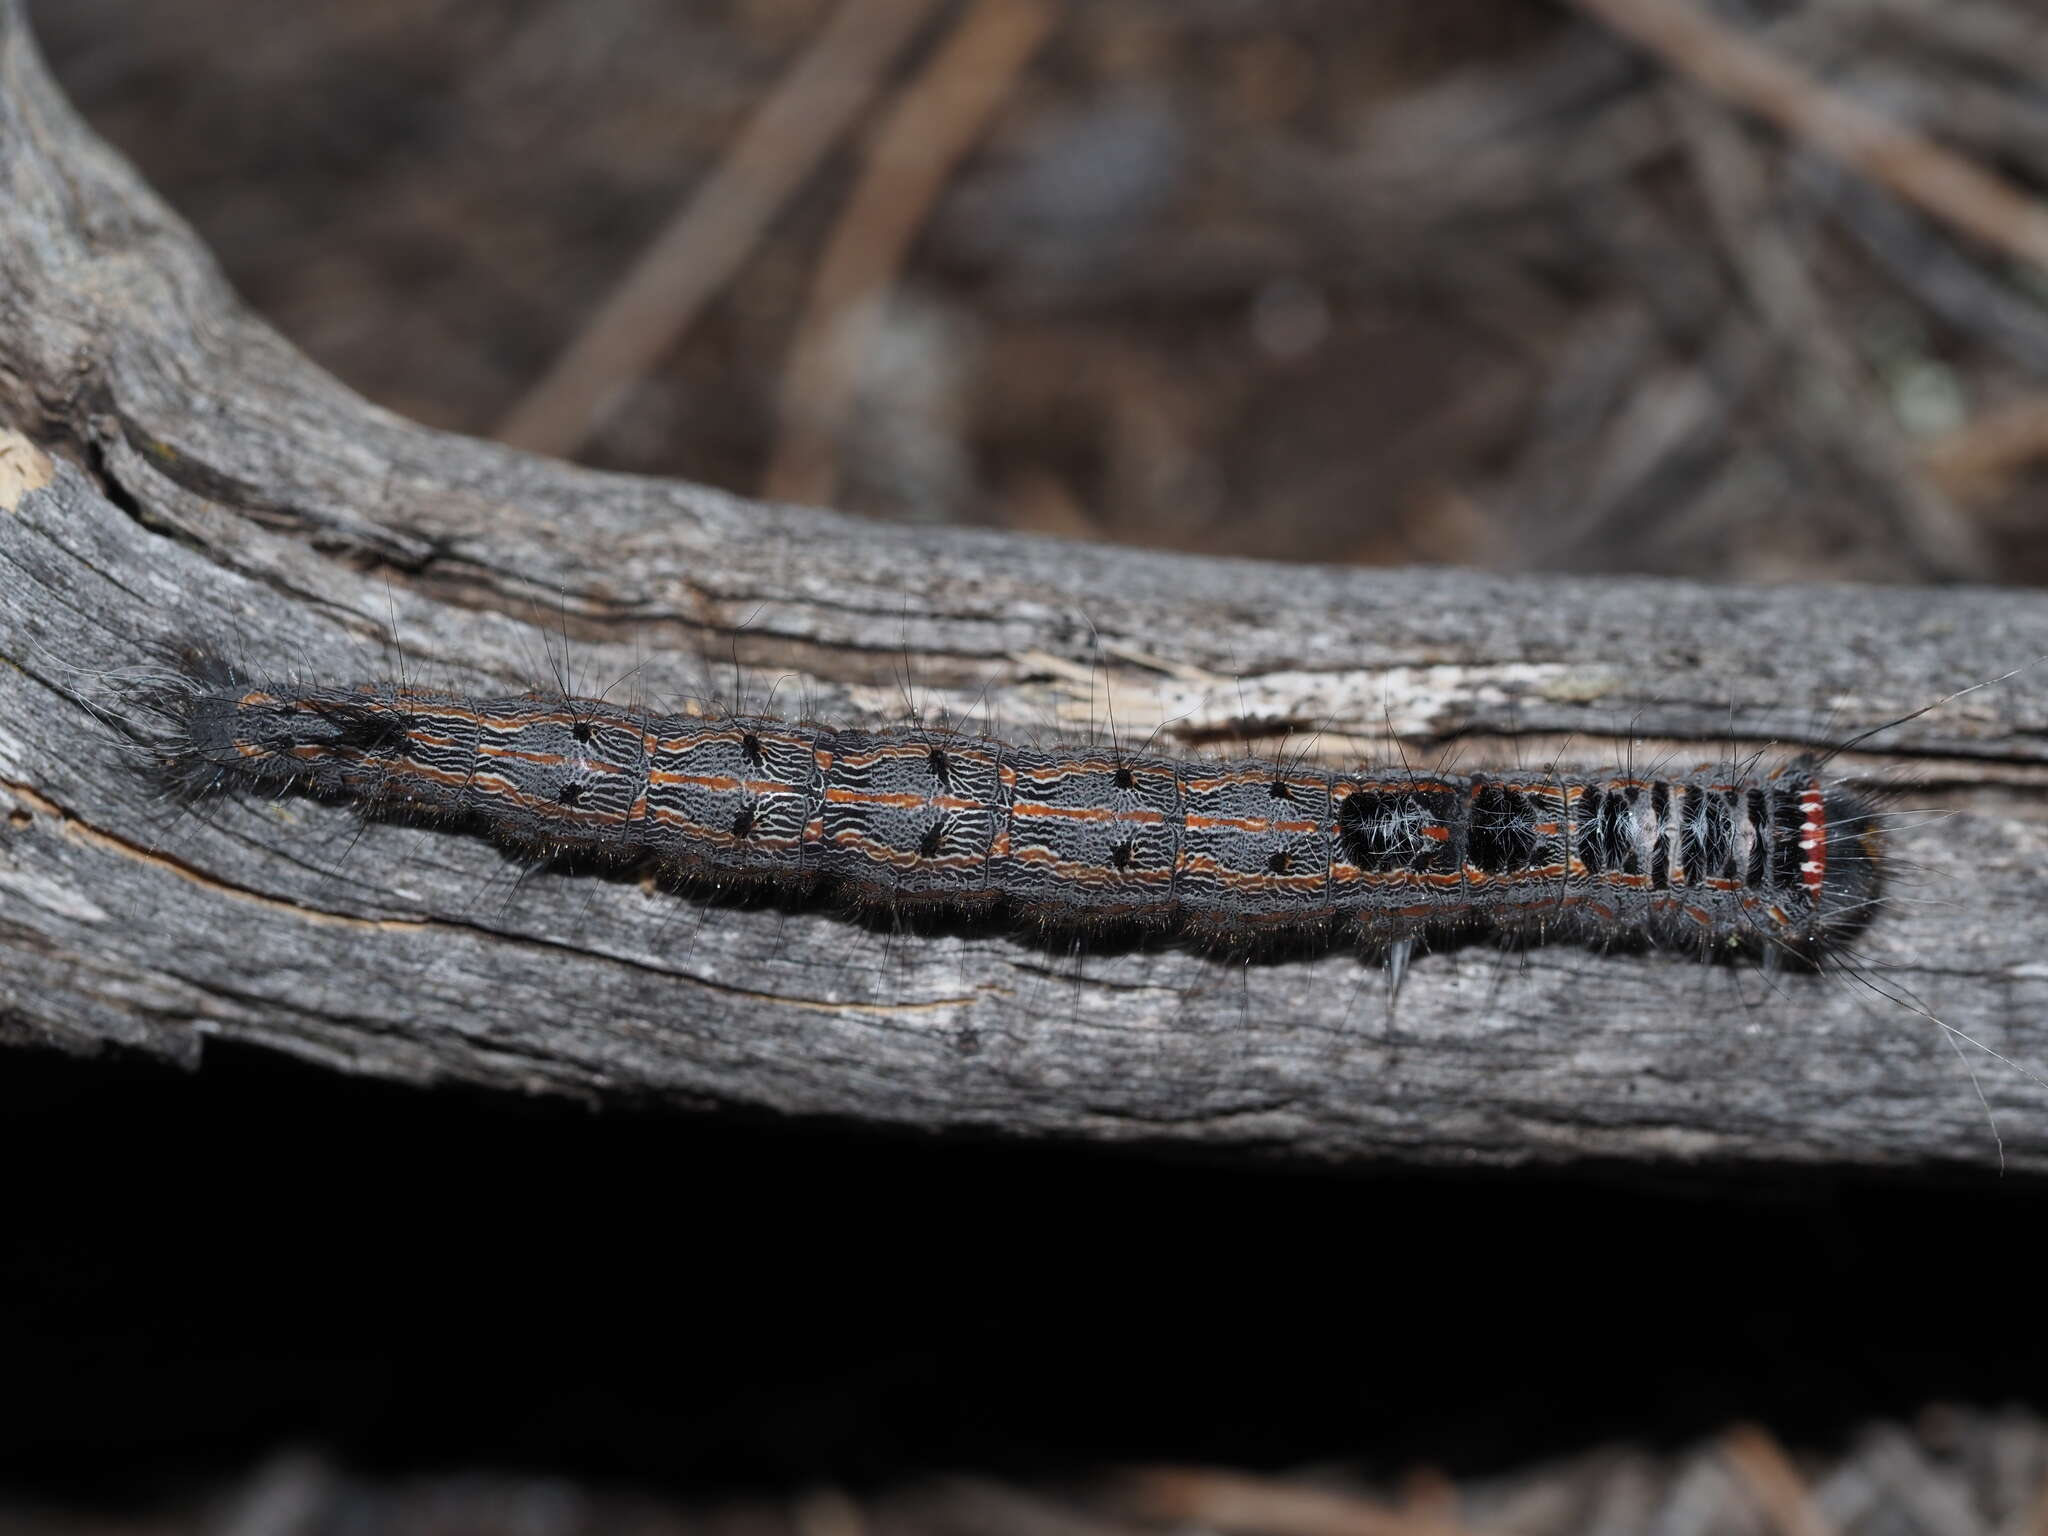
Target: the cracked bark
(171, 469)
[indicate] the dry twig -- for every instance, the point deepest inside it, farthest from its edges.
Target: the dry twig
(1932, 178)
(1762, 1467)
(1978, 458)
(1837, 403)
(937, 120)
(1234, 1502)
(703, 245)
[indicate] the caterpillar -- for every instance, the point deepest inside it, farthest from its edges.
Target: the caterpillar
(1229, 854)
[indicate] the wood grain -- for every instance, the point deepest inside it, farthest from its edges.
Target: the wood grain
(205, 481)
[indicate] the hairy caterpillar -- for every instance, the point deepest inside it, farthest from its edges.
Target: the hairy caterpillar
(1230, 854)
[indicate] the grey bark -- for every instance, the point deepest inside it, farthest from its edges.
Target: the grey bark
(173, 470)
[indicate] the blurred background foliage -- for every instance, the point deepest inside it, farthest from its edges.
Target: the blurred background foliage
(1466, 281)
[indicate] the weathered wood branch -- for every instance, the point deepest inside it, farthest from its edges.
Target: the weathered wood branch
(173, 469)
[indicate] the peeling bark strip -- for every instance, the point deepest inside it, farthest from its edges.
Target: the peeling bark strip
(1235, 855)
(190, 474)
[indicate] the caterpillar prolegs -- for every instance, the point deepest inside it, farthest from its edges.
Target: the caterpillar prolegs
(1231, 854)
